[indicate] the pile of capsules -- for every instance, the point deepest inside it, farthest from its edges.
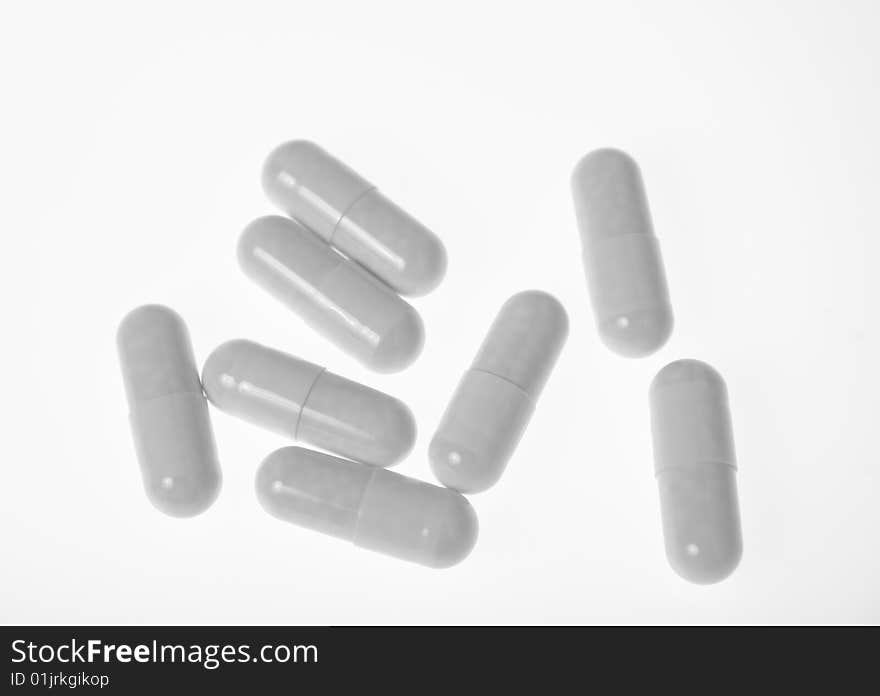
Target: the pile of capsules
(341, 259)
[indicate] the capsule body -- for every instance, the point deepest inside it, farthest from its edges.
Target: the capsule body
(624, 269)
(303, 401)
(695, 466)
(349, 213)
(369, 506)
(496, 397)
(168, 413)
(333, 295)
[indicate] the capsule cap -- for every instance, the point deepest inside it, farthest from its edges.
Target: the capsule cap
(309, 184)
(690, 417)
(525, 340)
(156, 354)
(609, 196)
(259, 384)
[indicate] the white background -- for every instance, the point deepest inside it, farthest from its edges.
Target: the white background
(131, 146)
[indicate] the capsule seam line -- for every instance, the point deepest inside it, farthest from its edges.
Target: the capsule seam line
(357, 522)
(305, 403)
(346, 211)
(503, 379)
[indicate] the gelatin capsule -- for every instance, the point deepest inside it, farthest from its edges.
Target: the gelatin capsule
(351, 214)
(333, 295)
(168, 413)
(303, 401)
(695, 466)
(621, 255)
(496, 397)
(372, 507)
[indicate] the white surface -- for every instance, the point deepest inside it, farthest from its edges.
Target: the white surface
(131, 149)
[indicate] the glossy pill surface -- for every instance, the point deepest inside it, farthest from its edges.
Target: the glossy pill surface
(695, 466)
(496, 397)
(372, 507)
(303, 401)
(336, 297)
(351, 214)
(621, 255)
(168, 413)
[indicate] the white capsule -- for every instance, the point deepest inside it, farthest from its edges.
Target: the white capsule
(695, 466)
(351, 214)
(494, 400)
(333, 295)
(372, 507)
(622, 259)
(303, 401)
(168, 414)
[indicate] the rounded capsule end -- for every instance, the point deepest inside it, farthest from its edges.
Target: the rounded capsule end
(479, 432)
(218, 372)
(391, 244)
(147, 320)
(540, 303)
(546, 314)
(291, 156)
(461, 469)
(687, 370)
(602, 160)
(251, 238)
(456, 534)
(426, 270)
(184, 496)
(637, 334)
(700, 566)
(268, 483)
(399, 347)
(398, 431)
